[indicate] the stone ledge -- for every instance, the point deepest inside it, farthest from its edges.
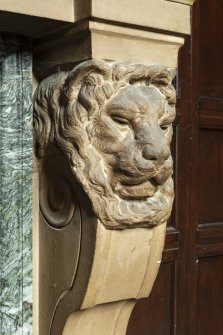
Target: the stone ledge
(89, 40)
(133, 45)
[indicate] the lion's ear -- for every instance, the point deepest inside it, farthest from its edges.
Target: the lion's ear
(172, 72)
(80, 72)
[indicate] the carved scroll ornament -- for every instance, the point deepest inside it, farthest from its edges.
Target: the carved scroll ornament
(102, 142)
(113, 122)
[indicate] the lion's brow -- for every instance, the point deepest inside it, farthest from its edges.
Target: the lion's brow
(126, 109)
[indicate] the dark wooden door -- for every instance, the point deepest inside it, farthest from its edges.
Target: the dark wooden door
(187, 298)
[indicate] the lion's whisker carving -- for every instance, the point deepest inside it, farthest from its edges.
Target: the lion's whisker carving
(113, 123)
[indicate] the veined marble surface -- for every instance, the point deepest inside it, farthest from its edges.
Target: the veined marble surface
(15, 190)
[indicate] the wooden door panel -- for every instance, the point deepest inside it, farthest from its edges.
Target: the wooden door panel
(208, 120)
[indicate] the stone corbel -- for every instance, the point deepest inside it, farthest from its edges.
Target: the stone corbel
(103, 130)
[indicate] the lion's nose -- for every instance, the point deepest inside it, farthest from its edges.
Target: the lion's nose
(155, 153)
(153, 142)
(149, 153)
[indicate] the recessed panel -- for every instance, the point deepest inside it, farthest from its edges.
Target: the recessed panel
(210, 296)
(210, 47)
(210, 176)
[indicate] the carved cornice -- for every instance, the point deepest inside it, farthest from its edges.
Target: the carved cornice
(99, 40)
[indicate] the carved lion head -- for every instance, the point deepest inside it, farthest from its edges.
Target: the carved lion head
(113, 122)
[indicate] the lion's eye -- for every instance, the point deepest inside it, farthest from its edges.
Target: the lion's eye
(120, 119)
(164, 127)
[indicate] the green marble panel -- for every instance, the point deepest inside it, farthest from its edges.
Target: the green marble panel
(15, 188)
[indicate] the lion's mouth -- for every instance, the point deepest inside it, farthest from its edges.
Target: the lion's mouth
(132, 185)
(136, 190)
